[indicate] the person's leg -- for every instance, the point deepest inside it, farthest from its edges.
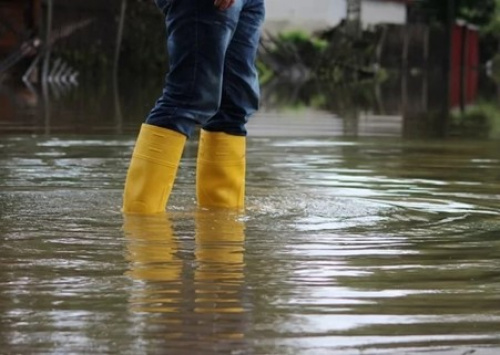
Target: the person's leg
(220, 176)
(198, 38)
(198, 35)
(240, 90)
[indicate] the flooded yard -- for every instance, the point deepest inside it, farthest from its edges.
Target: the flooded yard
(357, 239)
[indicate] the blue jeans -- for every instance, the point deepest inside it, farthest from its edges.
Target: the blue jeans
(212, 79)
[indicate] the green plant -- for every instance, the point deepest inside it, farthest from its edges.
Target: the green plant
(144, 45)
(480, 120)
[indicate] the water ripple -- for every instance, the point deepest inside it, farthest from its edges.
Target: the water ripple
(346, 247)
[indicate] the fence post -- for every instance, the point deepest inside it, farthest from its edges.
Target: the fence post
(48, 36)
(116, 88)
(46, 65)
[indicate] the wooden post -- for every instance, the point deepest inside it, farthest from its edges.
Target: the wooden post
(354, 18)
(441, 126)
(426, 45)
(119, 36)
(47, 41)
(116, 63)
(463, 67)
(46, 65)
(406, 47)
(425, 83)
(381, 45)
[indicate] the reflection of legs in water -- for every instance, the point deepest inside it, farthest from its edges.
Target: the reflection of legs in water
(151, 252)
(219, 276)
(204, 311)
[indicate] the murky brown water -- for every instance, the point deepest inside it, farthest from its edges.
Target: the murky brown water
(348, 246)
(356, 239)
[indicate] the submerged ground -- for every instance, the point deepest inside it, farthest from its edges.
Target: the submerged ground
(358, 238)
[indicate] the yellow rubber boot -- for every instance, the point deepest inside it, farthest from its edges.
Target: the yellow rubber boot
(152, 170)
(220, 170)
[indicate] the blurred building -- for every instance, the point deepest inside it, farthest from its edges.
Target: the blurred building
(312, 15)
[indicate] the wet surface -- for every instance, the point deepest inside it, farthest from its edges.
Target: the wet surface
(349, 245)
(363, 233)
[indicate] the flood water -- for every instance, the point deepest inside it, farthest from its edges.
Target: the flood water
(357, 239)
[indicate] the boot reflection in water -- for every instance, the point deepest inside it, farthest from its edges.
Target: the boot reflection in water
(152, 249)
(219, 253)
(208, 306)
(219, 276)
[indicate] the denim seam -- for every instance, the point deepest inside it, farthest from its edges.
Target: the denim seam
(173, 114)
(196, 44)
(195, 66)
(169, 9)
